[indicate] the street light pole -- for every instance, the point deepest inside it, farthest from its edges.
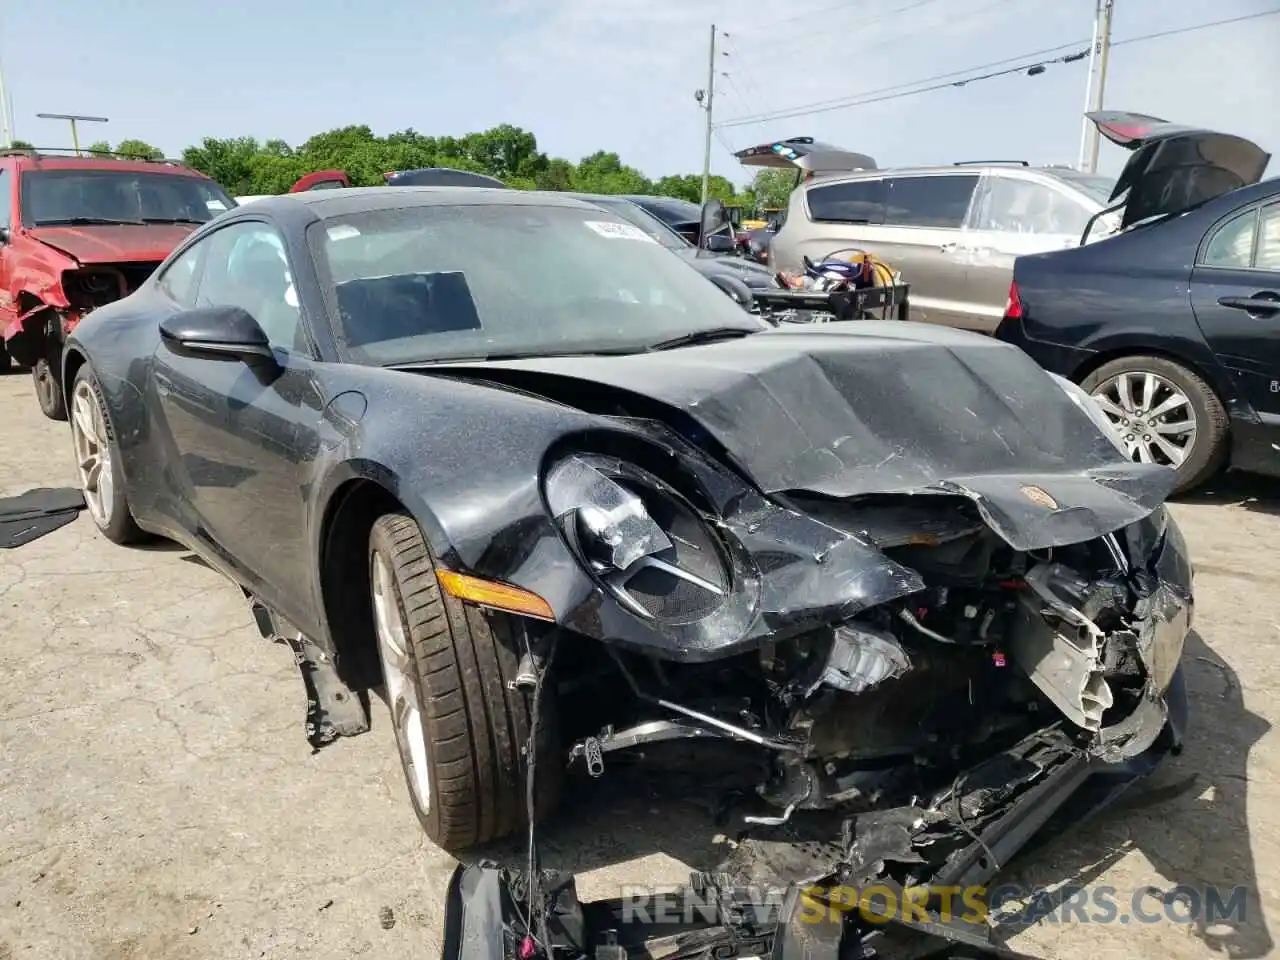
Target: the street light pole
(74, 118)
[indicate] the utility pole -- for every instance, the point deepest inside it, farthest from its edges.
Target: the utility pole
(707, 105)
(74, 118)
(1095, 92)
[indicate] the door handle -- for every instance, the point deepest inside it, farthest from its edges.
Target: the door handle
(1261, 305)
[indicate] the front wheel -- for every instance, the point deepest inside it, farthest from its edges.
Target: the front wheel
(98, 461)
(1165, 413)
(44, 375)
(460, 729)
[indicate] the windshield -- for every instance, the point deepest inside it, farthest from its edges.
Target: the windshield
(636, 214)
(434, 282)
(1091, 184)
(118, 196)
(671, 209)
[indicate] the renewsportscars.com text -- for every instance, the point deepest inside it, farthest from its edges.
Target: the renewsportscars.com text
(1008, 904)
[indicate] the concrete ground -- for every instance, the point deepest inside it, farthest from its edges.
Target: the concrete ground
(158, 798)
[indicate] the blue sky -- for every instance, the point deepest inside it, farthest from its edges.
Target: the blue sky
(620, 74)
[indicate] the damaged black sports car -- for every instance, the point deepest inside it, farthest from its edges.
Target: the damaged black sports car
(502, 456)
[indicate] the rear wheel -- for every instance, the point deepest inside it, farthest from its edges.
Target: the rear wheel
(44, 375)
(461, 732)
(1165, 413)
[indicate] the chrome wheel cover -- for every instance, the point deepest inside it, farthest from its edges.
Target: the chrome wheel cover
(1153, 416)
(93, 454)
(402, 689)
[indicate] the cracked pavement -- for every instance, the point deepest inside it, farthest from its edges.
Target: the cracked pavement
(158, 797)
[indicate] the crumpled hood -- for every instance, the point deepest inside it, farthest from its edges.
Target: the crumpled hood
(112, 243)
(886, 408)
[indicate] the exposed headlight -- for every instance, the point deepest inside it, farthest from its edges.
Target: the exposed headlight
(1090, 406)
(644, 542)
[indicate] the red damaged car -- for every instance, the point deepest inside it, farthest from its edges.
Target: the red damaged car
(78, 232)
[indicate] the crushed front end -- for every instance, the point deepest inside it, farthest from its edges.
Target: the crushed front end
(932, 675)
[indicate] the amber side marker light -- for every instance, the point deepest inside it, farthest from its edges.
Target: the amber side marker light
(500, 596)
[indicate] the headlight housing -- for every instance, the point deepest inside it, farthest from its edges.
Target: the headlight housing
(644, 542)
(1090, 406)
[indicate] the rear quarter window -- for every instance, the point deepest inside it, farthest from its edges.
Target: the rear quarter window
(1231, 244)
(859, 201)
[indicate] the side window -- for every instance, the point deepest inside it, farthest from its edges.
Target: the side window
(6, 198)
(179, 278)
(861, 201)
(1012, 205)
(936, 201)
(1231, 245)
(1267, 255)
(245, 266)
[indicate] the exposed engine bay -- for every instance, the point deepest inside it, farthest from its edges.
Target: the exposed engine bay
(916, 746)
(999, 644)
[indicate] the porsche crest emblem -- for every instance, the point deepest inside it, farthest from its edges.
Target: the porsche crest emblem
(1039, 497)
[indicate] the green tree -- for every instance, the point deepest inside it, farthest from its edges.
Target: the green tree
(140, 149)
(233, 162)
(98, 146)
(22, 145)
(245, 165)
(771, 188)
(557, 175)
(604, 173)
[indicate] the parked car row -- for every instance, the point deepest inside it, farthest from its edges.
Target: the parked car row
(1158, 291)
(1191, 378)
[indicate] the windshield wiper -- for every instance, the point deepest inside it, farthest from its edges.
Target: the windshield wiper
(703, 336)
(172, 220)
(76, 221)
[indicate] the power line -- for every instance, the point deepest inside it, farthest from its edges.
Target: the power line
(905, 89)
(824, 106)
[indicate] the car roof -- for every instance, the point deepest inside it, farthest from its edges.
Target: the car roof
(34, 160)
(327, 204)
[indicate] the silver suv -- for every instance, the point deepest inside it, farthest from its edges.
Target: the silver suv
(952, 231)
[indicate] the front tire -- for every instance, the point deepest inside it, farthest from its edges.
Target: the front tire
(461, 732)
(1166, 413)
(98, 462)
(44, 376)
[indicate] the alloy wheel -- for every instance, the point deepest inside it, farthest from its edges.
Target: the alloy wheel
(93, 453)
(1153, 416)
(402, 688)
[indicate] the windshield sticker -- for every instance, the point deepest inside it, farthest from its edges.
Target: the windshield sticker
(619, 231)
(215, 205)
(343, 231)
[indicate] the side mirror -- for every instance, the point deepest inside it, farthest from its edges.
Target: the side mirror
(735, 288)
(5, 235)
(714, 218)
(228, 333)
(720, 243)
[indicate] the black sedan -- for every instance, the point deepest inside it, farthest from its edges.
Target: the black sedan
(1173, 324)
(453, 442)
